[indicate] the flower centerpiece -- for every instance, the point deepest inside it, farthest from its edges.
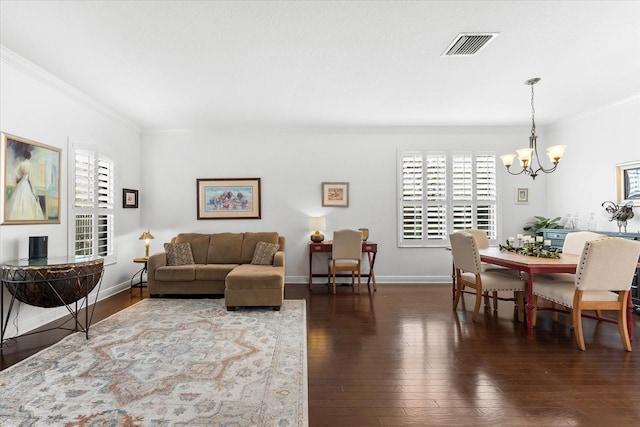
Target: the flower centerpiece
(530, 246)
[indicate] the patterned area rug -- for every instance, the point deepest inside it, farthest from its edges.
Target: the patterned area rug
(168, 362)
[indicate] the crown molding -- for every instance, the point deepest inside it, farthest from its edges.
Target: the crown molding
(632, 99)
(12, 59)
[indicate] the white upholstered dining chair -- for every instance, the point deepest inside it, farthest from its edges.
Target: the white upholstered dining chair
(602, 282)
(573, 244)
(346, 255)
(482, 242)
(469, 273)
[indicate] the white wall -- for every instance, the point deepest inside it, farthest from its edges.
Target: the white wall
(596, 142)
(39, 107)
(293, 164)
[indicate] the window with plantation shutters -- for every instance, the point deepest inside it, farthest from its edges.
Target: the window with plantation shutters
(443, 192)
(94, 202)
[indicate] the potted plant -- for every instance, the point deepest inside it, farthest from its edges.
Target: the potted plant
(541, 222)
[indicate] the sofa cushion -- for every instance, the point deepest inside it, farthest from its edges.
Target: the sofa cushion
(224, 248)
(176, 273)
(251, 240)
(264, 253)
(178, 253)
(199, 245)
(213, 271)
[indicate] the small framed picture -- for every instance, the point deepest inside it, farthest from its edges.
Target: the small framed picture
(335, 194)
(522, 196)
(129, 198)
(628, 183)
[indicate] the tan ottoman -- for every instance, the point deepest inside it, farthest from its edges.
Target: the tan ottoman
(254, 285)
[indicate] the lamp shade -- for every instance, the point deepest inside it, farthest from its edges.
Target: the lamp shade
(146, 236)
(555, 152)
(524, 155)
(317, 223)
(507, 159)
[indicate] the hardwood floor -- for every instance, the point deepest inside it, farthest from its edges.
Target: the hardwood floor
(403, 357)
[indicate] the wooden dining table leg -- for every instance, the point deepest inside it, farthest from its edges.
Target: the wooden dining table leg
(529, 307)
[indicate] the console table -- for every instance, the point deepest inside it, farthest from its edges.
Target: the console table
(557, 236)
(51, 282)
(370, 248)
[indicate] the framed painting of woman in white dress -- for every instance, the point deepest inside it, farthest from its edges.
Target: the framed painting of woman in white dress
(30, 182)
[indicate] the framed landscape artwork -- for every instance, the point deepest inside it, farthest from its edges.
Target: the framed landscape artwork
(335, 194)
(228, 198)
(129, 198)
(30, 182)
(628, 183)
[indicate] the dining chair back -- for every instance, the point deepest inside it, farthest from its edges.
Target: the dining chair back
(602, 282)
(482, 240)
(346, 255)
(574, 242)
(469, 273)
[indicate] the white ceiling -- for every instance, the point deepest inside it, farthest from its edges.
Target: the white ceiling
(200, 64)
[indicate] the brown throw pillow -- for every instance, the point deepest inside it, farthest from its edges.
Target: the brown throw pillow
(264, 253)
(178, 253)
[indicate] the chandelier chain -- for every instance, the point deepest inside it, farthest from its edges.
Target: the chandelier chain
(533, 112)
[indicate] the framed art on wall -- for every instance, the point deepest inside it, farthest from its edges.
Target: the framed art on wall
(522, 196)
(30, 182)
(628, 182)
(228, 198)
(129, 198)
(335, 194)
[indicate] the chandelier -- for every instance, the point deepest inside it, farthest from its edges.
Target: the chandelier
(527, 156)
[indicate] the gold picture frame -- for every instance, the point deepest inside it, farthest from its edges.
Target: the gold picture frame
(628, 182)
(228, 198)
(335, 194)
(30, 181)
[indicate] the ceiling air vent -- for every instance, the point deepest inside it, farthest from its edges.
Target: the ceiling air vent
(467, 44)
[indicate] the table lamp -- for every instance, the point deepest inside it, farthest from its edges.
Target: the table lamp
(316, 224)
(146, 236)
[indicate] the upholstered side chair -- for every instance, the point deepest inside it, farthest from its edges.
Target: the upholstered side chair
(469, 273)
(346, 255)
(602, 282)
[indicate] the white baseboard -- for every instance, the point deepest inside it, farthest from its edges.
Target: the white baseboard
(291, 280)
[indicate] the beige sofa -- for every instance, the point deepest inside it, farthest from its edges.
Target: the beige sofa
(222, 264)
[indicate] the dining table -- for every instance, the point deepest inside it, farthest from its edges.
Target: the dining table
(532, 265)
